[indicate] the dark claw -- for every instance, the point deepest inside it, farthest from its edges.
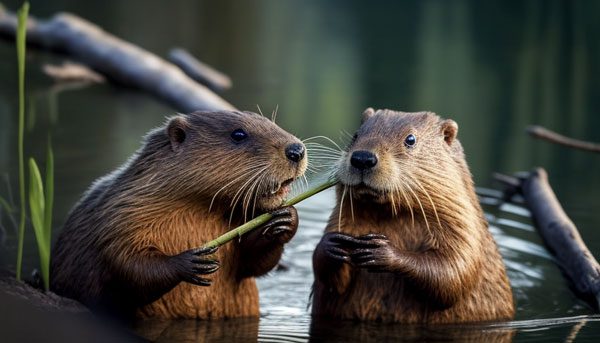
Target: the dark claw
(351, 242)
(272, 232)
(361, 254)
(200, 281)
(279, 221)
(372, 236)
(337, 254)
(282, 226)
(192, 262)
(284, 211)
(207, 268)
(367, 263)
(338, 257)
(280, 229)
(204, 251)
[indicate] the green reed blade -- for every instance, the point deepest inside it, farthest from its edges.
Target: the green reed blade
(37, 206)
(21, 34)
(263, 218)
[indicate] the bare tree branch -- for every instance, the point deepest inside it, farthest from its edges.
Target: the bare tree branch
(543, 133)
(118, 60)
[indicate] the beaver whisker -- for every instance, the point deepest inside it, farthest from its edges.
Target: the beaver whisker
(322, 150)
(341, 208)
(243, 197)
(251, 178)
(347, 134)
(305, 182)
(252, 190)
(319, 146)
(393, 203)
(430, 201)
(420, 205)
(248, 197)
(324, 155)
(320, 160)
(237, 178)
(351, 205)
(259, 111)
(300, 185)
(325, 138)
(274, 113)
(237, 195)
(324, 165)
(258, 188)
(408, 204)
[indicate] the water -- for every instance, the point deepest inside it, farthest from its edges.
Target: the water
(493, 67)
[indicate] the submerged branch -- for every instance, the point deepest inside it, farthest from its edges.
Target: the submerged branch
(258, 221)
(559, 234)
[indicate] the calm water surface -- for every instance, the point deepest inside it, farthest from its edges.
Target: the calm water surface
(494, 67)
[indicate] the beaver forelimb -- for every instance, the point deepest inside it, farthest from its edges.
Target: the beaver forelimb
(262, 248)
(426, 270)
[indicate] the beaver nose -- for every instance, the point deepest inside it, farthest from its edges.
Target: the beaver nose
(295, 152)
(363, 160)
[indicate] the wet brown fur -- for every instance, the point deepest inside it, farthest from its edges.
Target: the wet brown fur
(111, 251)
(441, 264)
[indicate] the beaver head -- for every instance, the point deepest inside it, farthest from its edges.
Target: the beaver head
(406, 159)
(225, 157)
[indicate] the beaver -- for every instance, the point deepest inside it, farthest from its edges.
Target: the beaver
(132, 246)
(408, 241)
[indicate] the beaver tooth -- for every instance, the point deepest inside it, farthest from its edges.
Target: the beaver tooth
(276, 189)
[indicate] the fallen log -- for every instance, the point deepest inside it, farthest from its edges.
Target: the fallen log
(559, 234)
(551, 136)
(200, 72)
(118, 60)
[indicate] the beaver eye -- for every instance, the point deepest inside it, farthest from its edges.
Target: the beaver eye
(410, 140)
(239, 135)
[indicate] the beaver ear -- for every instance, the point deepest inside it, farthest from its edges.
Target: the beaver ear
(368, 113)
(176, 130)
(450, 130)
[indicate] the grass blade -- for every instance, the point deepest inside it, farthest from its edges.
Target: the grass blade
(21, 35)
(37, 210)
(36, 198)
(6, 205)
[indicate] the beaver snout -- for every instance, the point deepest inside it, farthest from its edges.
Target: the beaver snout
(294, 152)
(363, 160)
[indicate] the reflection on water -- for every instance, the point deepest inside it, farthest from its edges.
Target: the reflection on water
(538, 287)
(494, 67)
(232, 330)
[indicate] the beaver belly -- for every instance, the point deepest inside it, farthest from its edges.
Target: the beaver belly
(223, 299)
(388, 298)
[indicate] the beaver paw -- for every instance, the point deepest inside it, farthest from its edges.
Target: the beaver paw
(377, 254)
(334, 245)
(190, 263)
(282, 227)
(349, 249)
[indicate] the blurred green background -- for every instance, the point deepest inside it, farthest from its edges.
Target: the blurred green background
(493, 66)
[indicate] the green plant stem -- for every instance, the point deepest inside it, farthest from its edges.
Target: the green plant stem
(21, 35)
(263, 218)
